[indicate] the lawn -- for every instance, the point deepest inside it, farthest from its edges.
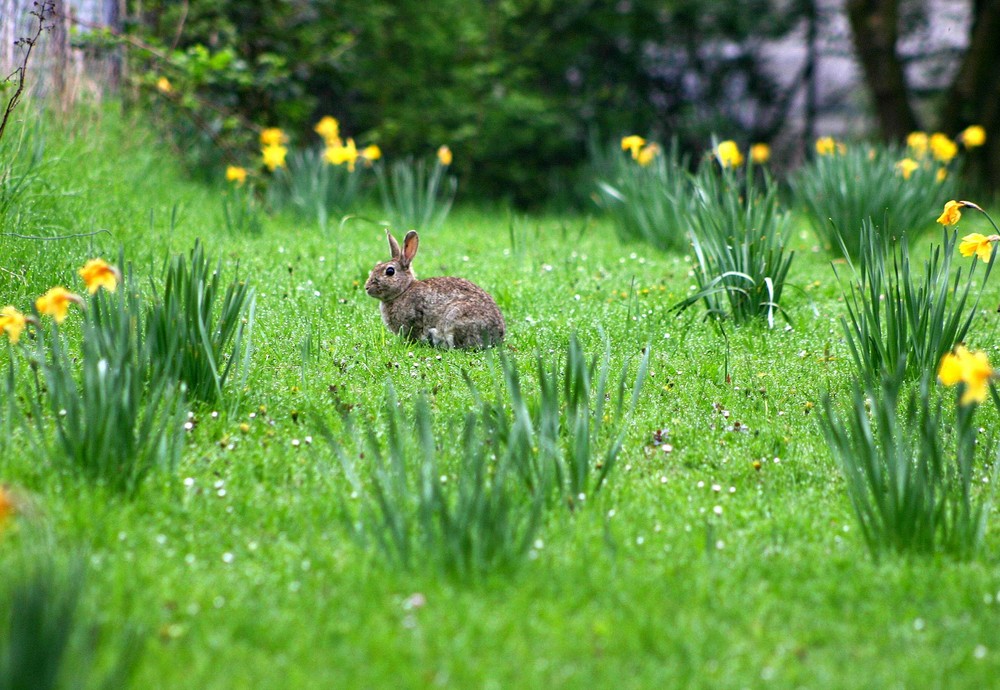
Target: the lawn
(722, 551)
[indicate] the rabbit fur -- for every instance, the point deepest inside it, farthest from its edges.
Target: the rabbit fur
(443, 312)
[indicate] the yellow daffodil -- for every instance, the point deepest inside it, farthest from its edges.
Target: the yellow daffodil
(647, 153)
(729, 154)
(942, 148)
(760, 153)
(235, 173)
(971, 368)
(272, 136)
(274, 156)
(973, 136)
(980, 245)
(55, 303)
(98, 273)
(371, 152)
(952, 213)
(633, 143)
(328, 128)
(12, 323)
(917, 143)
(906, 167)
(942, 174)
(444, 155)
(163, 85)
(827, 146)
(338, 155)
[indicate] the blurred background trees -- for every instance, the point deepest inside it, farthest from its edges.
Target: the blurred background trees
(520, 89)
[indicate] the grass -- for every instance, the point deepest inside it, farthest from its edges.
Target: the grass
(733, 560)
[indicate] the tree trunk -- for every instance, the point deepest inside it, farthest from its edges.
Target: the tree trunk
(874, 31)
(974, 95)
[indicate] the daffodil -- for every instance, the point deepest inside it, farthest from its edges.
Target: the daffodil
(98, 273)
(942, 148)
(942, 174)
(272, 136)
(729, 154)
(338, 155)
(827, 146)
(371, 152)
(235, 173)
(328, 128)
(952, 213)
(12, 322)
(906, 167)
(760, 153)
(973, 136)
(163, 85)
(971, 368)
(647, 153)
(55, 303)
(444, 155)
(274, 156)
(917, 143)
(633, 143)
(980, 245)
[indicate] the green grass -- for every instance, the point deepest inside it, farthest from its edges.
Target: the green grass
(689, 568)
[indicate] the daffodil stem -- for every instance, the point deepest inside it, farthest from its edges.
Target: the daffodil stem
(979, 208)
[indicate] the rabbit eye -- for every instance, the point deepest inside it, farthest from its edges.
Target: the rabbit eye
(390, 271)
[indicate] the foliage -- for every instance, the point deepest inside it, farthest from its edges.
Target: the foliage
(740, 236)
(652, 202)
(118, 420)
(910, 481)
(842, 189)
(242, 211)
(316, 189)
(46, 641)
(199, 334)
(896, 318)
(413, 197)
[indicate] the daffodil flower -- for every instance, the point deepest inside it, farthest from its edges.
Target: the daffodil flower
(274, 156)
(971, 368)
(906, 167)
(163, 85)
(328, 128)
(235, 173)
(760, 153)
(952, 213)
(980, 245)
(444, 155)
(371, 152)
(55, 303)
(729, 154)
(973, 136)
(272, 136)
(12, 322)
(917, 143)
(942, 148)
(633, 144)
(98, 273)
(338, 155)
(648, 153)
(827, 146)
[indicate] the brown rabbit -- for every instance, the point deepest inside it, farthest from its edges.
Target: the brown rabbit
(444, 312)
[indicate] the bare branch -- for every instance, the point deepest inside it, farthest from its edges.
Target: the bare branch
(43, 12)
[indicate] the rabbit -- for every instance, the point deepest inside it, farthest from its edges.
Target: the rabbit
(444, 312)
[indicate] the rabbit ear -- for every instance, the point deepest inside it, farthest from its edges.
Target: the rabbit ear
(410, 243)
(393, 245)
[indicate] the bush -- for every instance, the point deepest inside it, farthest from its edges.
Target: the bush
(739, 233)
(844, 187)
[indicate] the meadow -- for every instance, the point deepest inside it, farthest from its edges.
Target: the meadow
(721, 549)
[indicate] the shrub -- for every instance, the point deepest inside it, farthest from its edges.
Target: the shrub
(843, 187)
(648, 198)
(908, 470)
(116, 419)
(739, 234)
(199, 334)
